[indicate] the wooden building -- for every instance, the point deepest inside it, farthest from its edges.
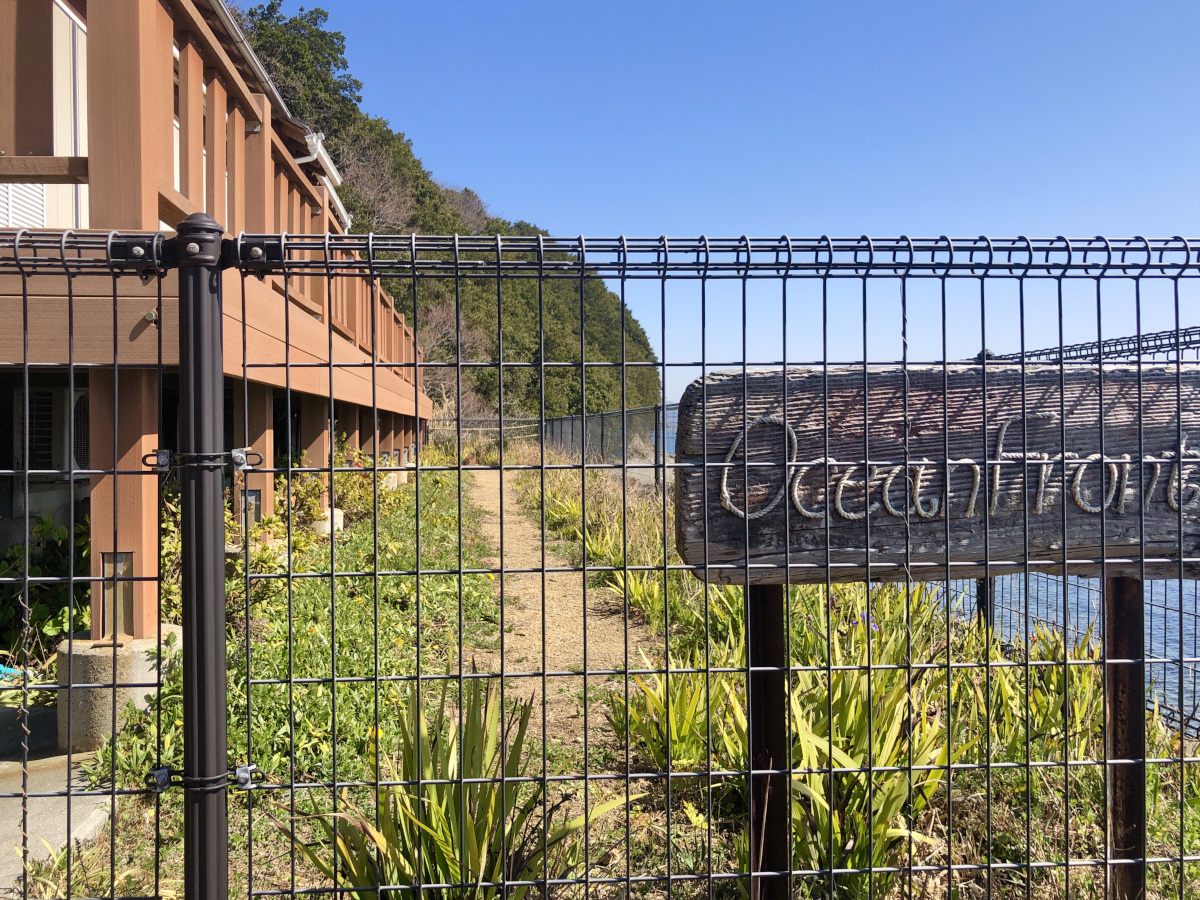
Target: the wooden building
(130, 115)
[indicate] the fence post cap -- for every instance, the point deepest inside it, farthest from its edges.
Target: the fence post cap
(198, 241)
(198, 222)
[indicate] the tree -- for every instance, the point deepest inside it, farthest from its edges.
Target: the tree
(386, 188)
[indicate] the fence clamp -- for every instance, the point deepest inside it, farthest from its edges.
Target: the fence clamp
(159, 460)
(162, 779)
(245, 459)
(140, 254)
(255, 255)
(248, 777)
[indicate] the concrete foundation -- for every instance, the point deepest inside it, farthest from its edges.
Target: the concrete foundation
(101, 678)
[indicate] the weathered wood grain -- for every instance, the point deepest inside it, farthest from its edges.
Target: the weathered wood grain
(1027, 482)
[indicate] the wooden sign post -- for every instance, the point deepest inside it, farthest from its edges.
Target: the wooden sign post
(935, 473)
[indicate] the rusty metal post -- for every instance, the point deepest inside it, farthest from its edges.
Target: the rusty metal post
(658, 436)
(1125, 721)
(770, 849)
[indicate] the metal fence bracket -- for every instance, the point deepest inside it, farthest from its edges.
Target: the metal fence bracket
(248, 777)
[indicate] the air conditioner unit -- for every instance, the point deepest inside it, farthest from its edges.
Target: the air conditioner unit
(81, 450)
(59, 431)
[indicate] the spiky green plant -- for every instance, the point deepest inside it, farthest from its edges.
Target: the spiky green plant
(464, 814)
(857, 730)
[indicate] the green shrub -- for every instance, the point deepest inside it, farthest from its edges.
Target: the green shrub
(667, 715)
(302, 496)
(865, 721)
(300, 628)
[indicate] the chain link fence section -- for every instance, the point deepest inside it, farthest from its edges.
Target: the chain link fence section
(643, 439)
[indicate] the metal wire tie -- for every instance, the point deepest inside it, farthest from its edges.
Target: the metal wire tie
(246, 777)
(243, 459)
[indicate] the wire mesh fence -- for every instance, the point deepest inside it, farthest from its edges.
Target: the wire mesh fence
(634, 435)
(484, 656)
(482, 429)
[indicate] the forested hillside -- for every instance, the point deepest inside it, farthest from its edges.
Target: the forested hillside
(388, 189)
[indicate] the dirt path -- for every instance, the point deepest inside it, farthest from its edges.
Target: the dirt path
(563, 632)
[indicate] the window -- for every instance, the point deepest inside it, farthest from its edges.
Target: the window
(53, 415)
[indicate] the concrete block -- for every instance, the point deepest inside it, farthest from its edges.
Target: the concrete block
(100, 678)
(393, 480)
(321, 526)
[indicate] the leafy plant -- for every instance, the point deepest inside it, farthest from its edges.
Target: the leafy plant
(475, 823)
(667, 715)
(302, 493)
(54, 606)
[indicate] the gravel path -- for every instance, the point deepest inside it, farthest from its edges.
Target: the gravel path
(562, 634)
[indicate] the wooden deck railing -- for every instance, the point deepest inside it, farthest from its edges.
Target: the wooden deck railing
(260, 187)
(177, 124)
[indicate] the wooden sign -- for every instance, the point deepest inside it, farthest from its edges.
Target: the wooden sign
(842, 485)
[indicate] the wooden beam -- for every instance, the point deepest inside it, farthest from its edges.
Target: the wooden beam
(1125, 730)
(189, 19)
(161, 71)
(26, 77)
(8, 76)
(43, 170)
(235, 136)
(173, 207)
(766, 640)
(122, 113)
(281, 200)
(215, 140)
(259, 183)
(191, 120)
(123, 506)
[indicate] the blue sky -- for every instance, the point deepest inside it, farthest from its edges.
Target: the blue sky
(806, 118)
(924, 118)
